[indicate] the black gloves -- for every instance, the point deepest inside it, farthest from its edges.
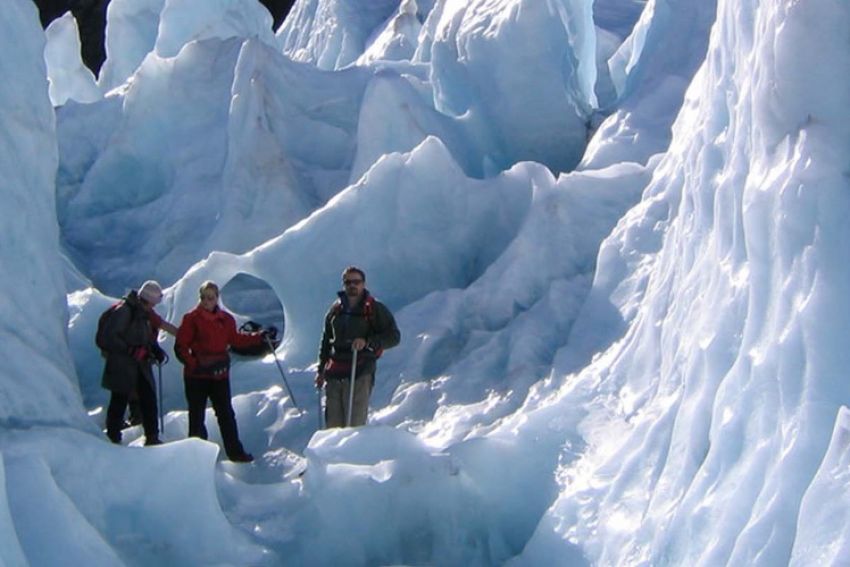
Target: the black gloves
(158, 354)
(270, 333)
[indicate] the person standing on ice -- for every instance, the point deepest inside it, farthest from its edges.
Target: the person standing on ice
(203, 340)
(355, 322)
(128, 338)
(157, 323)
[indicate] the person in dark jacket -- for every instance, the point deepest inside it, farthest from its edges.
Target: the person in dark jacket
(203, 339)
(355, 321)
(129, 336)
(153, 291)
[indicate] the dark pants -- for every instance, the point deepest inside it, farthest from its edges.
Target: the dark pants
(218, 392)
(118, 405)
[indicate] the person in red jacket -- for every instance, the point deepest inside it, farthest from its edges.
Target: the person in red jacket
(203, 339)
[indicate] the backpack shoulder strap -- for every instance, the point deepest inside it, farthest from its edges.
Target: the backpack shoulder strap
(369, 309)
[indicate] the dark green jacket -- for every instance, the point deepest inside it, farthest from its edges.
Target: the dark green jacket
(343, 324)
(129, 326)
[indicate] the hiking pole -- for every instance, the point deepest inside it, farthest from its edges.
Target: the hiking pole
(321, 412)
(159, 395)
(282, 374)
(351, 386)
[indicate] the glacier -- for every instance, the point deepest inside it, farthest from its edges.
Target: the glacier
(612, 234)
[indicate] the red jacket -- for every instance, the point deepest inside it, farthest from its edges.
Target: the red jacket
(203, 340)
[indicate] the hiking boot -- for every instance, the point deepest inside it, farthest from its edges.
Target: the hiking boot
(242, 458)
(154, 441)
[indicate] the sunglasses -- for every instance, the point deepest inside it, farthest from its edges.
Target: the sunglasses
(352, 282)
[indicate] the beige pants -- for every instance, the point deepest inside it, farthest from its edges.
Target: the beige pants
(336, 399)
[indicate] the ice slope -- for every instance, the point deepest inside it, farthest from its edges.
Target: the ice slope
(709, 417)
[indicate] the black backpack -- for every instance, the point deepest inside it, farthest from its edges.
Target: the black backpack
(100, 338)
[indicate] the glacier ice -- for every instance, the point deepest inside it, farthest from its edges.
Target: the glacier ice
(637, 362)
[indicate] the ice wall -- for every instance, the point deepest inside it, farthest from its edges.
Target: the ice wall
(184, 21)
(198, 155)
(210, 146)
(131, 30)
(707, 419)
(332, 34)
(650, 72)
(483, 52)
(37, 381)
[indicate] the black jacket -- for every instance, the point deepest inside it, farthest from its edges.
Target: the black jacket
(129, 326)
(343, 324)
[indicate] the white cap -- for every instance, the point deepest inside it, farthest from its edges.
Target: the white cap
(151, 292)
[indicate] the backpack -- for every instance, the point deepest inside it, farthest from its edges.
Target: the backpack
(368, 313)
(100, 338)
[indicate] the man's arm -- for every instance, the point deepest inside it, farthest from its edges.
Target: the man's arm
(386, 333)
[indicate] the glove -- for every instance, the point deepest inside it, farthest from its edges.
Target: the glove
(158, 354)
(270, 333)
(139, 353)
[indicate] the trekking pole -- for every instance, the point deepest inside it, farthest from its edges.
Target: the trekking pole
(321, 412)
(282, 374)
(351, 386)
(159, 395)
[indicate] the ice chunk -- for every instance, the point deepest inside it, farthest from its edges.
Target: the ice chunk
(183, 21)
(332, 34)
(520, 72)
(131, 31)
(398, 39)
(69, 78)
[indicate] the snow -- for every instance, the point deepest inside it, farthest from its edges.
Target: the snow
(612, 234)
